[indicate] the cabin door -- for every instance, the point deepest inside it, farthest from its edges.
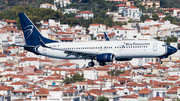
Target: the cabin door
(155, 47)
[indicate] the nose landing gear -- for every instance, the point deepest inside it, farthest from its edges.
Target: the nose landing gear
(91, 64)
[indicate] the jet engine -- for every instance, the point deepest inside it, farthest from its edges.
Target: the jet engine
(105, 57)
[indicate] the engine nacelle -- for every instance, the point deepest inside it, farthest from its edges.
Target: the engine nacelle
(105, 57)
(124, 59)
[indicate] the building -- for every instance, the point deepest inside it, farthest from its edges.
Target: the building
(151, 4)
(68, 11)
(62, 3)
(47, 5)
(85, 15)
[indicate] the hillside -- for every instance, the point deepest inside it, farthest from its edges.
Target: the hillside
(170, 3)
(7, 4)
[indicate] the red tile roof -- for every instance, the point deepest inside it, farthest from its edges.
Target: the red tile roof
(110, 90)
(18, 83)
(145, 28)
(11, 21)
(97, 24)
(70, 91)
(111, 34)
(4, 88)
(160, 14)
(157, 98)
(121, 5)
(30, 59)
(144, 91)
(162, 67)
(66, 39)
(85, 12)
(131, 96)
(148, 20)
(56, 89)
(134, 7)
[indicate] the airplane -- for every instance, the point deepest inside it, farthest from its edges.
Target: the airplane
(101, 51)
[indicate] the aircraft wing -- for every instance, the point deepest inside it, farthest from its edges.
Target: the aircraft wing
(78, 53)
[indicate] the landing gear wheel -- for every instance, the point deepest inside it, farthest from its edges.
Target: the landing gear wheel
(91, 64)
(102, 63)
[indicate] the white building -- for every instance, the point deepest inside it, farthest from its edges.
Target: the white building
(68, 11)
(132, 13)
(62, 3)
(85, 15)
(47, 5)
(96, 29)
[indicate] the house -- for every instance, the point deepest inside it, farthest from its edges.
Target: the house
(159, 91)
(150, 4)
(11, 23)
(144, 94)
(173, 92)
(157, 98)
(172, 11)
(132, 13)
(84, 14)
(71, 10)
(96, 29)
(62, 3)
(47, 5)
(120, 8)
(111, 94)
(161, 15)
(90, 73)
(132, 97)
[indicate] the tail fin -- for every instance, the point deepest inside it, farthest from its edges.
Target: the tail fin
(106, 37)
(31, 33)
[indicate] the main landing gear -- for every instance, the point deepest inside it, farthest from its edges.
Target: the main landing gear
(102, 63)
(91, 64)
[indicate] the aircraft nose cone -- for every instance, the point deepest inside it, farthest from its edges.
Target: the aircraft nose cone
(171, 50)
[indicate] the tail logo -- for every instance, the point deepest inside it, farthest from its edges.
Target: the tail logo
(28, 30)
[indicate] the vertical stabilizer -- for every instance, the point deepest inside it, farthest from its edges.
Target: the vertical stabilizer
(31, 33)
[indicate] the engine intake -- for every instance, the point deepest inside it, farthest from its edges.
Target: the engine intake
(105, 57)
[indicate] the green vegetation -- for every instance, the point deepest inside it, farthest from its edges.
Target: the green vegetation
(37, 14)
(115, 72)
(171, 39)
(7, 4)
(102, 98)
(174, 20)
(155, 17)
(170, 3)
(144, 17)
(74, 78)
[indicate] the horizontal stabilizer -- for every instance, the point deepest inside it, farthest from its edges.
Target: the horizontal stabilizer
(30, 46)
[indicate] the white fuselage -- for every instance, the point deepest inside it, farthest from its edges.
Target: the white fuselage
(121, 49)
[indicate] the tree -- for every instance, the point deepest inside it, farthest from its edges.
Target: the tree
(75, 78)
(171, 39)
(179, 46)
(154, 5)
(130, 21)
(115, 72)
(155, 17)
(144, 17)
(98, 20)
(102, 98)
(67, 81)
(168, 17)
